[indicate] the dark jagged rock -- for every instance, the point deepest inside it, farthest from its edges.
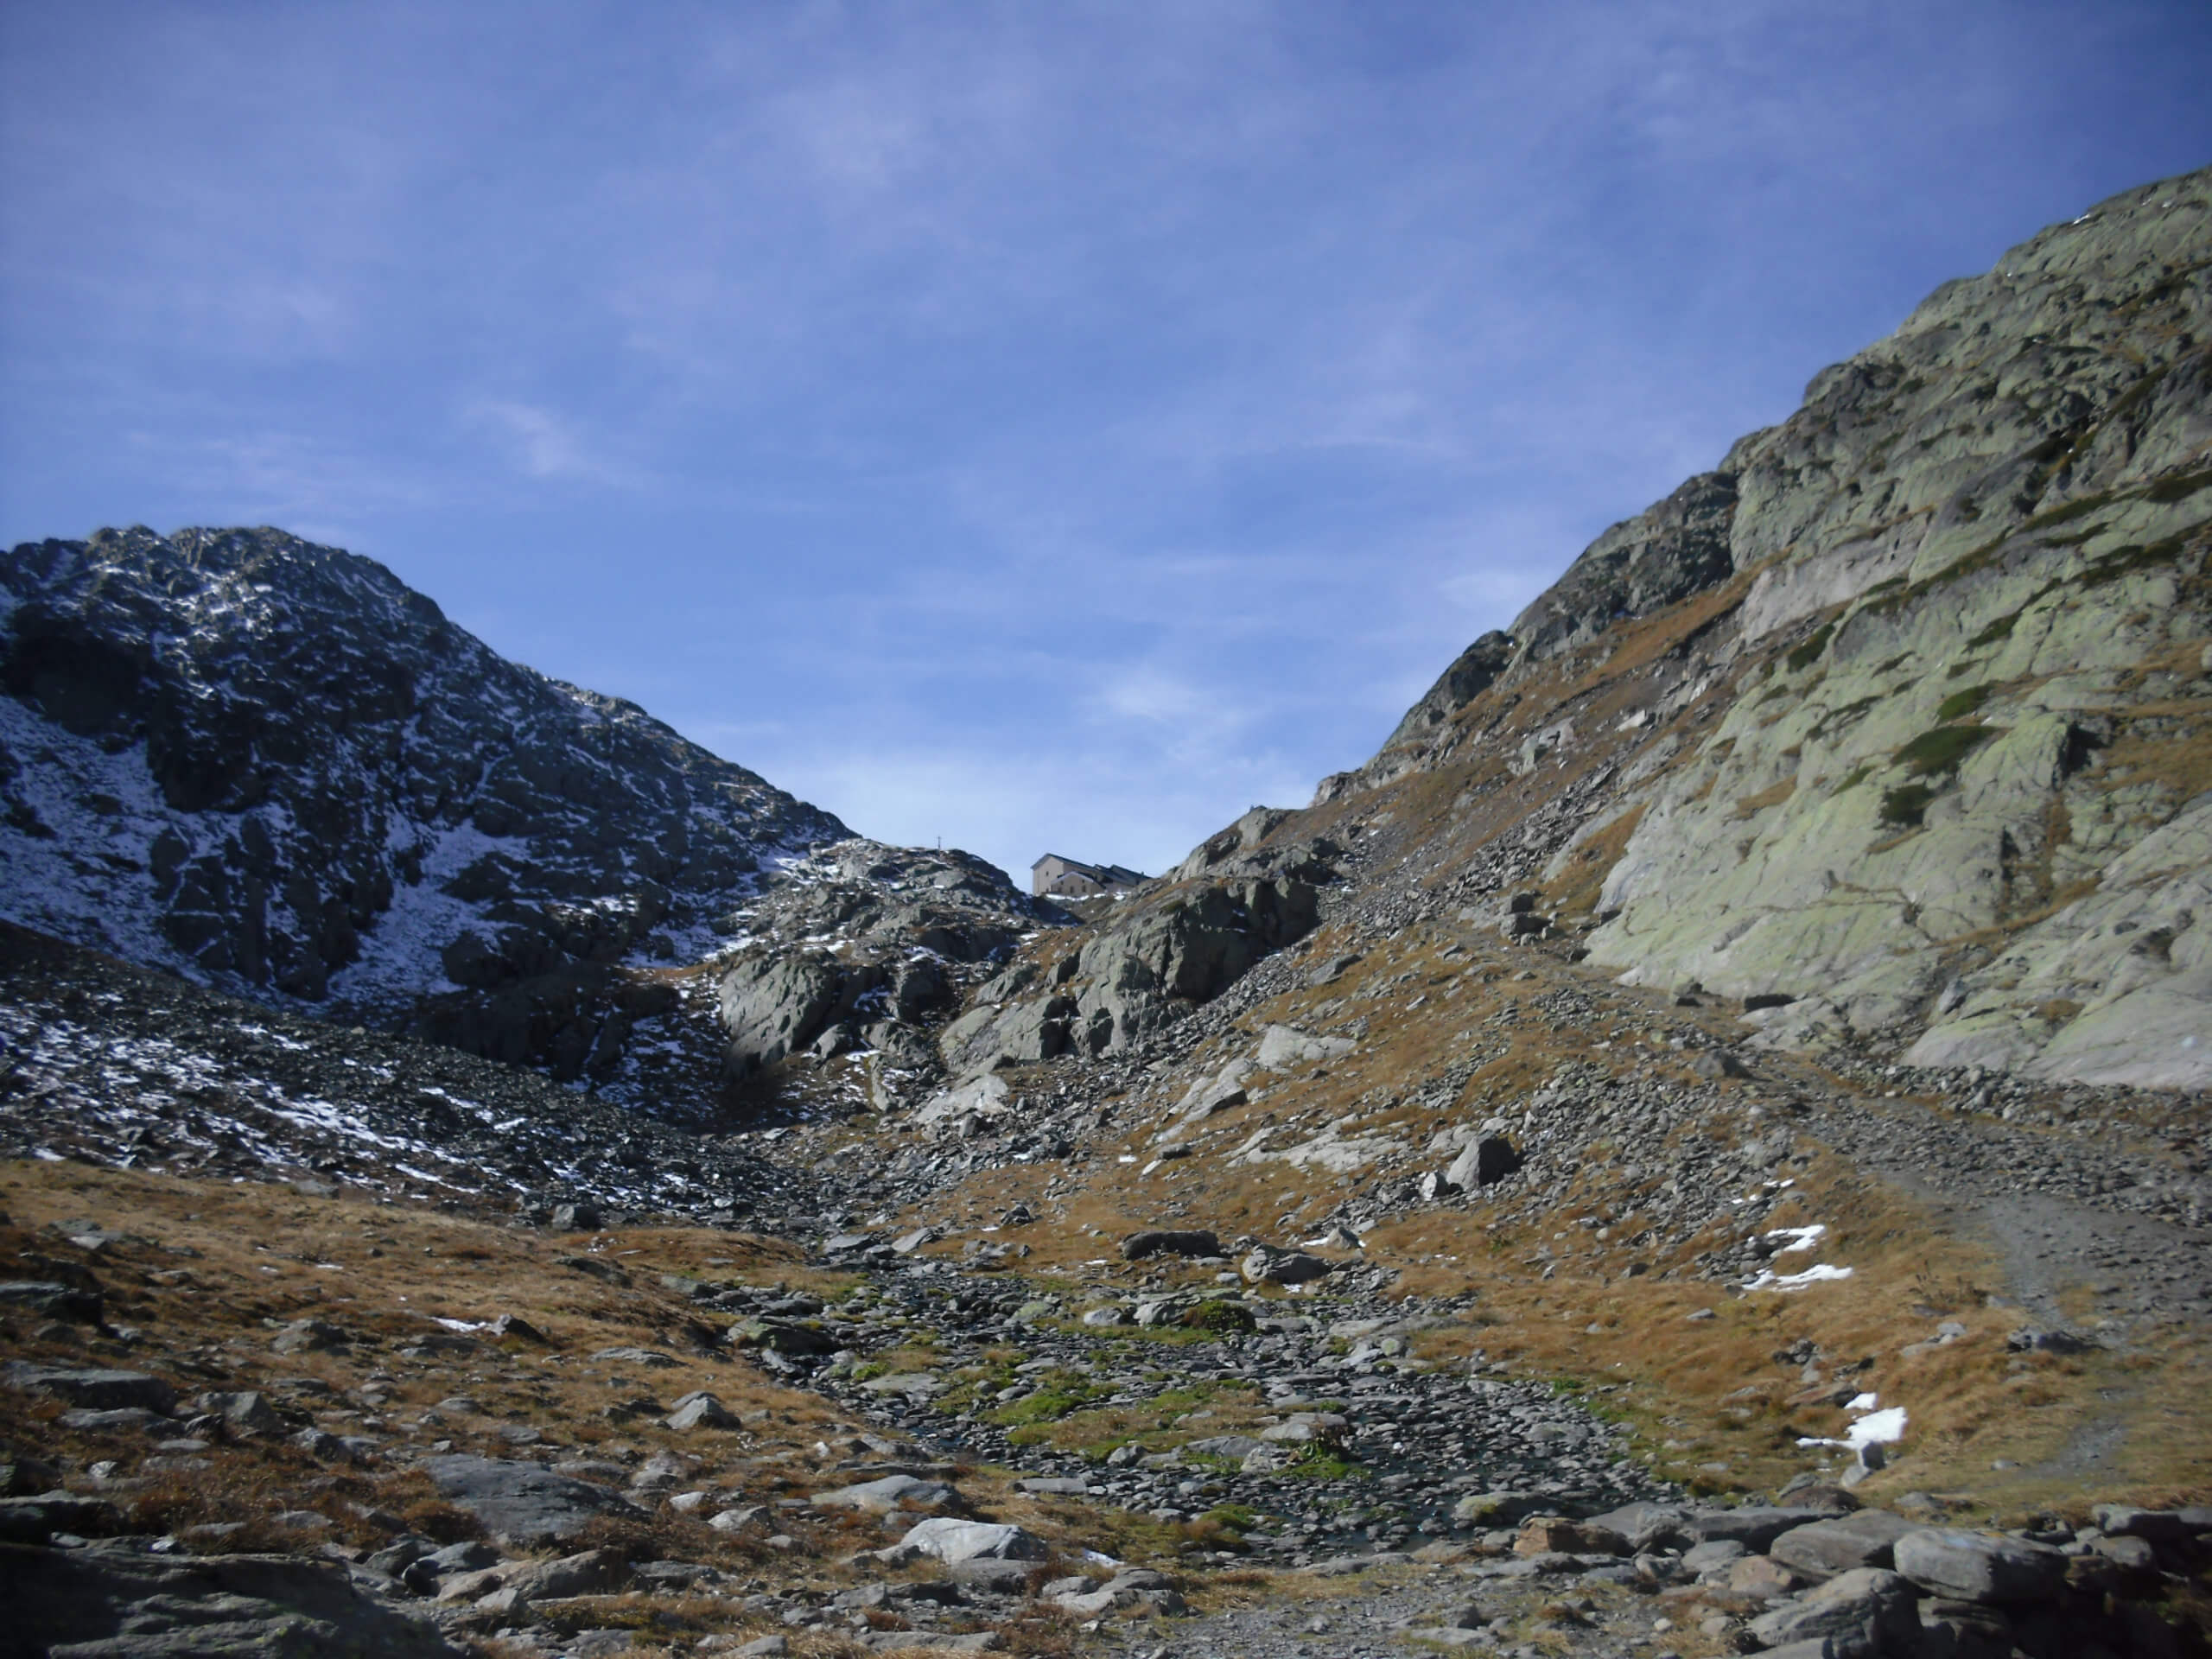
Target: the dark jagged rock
(859, 946)
(521, 1503)
(113, 1604)
(272, 766)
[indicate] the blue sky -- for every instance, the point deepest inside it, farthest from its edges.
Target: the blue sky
(1041, 425)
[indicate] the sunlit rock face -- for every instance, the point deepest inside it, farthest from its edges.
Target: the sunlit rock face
(1907, 697)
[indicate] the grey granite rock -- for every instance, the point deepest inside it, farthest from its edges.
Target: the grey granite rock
(522, 1504)
(1979, 1566)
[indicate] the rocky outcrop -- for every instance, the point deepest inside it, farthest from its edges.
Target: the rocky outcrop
(1670, 550)
(1134, 978)
(273, 767)
(1912, 729)
(858, 947)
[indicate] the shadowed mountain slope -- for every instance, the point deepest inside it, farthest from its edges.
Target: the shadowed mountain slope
(272, 767)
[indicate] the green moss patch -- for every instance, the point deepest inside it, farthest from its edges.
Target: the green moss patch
(1960, 704)
(1905, 805)
(1805, 655)
(1940, 750)
(2179, 487)
(2127, 561)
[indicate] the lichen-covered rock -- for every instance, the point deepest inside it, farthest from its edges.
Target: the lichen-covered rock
(1922, 739)
(954, 1541)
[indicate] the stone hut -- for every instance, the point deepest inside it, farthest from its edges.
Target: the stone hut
(1069, 878)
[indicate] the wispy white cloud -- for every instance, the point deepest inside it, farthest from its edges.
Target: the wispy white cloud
(1103, 416)
(544, 444)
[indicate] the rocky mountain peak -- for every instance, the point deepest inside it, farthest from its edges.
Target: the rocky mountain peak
(274, 768)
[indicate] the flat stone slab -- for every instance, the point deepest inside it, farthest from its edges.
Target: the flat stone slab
(95, 1389)
(1754, 1526)
(1824, 1548)
(892, 1492)
(524, 1504)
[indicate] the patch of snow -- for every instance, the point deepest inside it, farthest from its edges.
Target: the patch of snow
(1877, 1429)
(1816, 1274)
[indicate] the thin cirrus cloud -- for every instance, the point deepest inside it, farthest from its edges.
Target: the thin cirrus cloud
(542, 443)
(1022, 425)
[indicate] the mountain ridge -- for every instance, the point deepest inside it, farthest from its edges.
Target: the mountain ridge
(1605, 1154)
(273, 767)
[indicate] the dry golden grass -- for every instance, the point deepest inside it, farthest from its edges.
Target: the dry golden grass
(1712, 1388)
(1750, 806)
(209, 1273)
(2181, 761)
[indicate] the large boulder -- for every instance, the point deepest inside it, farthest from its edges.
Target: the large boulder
(1208, 1094)
(1754, 1526)
(1282, 1047)
(773, 1004)
(589, 1573)
(94, 1389)
(520, 1503)
(1269, 1265)
(1162, 1241)
(1977, 1567)
(1860, 1614)
(1489, 1160)
(953, 1541)
(1824, 1548)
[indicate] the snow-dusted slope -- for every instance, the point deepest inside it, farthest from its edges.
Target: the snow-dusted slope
(274, 768)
